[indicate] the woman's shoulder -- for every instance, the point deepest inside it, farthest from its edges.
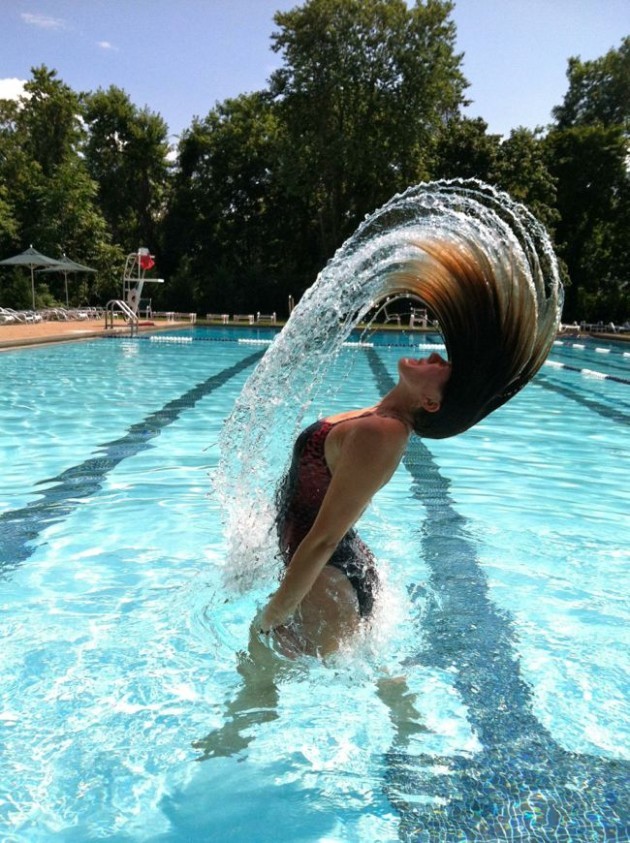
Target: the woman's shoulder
(370, 446)
(369, 428)
(349, 415)
(379, 425)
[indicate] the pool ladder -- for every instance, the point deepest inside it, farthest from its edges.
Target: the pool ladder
(119, 306)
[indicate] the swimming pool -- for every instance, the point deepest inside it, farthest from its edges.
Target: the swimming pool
(504, 553)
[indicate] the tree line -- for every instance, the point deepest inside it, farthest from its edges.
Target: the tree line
(369, 98)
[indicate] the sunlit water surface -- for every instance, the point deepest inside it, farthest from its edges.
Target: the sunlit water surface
(503, 553)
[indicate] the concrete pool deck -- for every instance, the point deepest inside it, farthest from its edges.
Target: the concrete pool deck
(27, 334)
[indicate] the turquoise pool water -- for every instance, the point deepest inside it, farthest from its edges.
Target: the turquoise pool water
(504, 554)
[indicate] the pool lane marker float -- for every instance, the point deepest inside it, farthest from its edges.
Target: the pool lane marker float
(580, 346)
(589, 373)
(431, 346)
(171, 339)
(592, 373)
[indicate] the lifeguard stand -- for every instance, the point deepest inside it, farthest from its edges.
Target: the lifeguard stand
(136, 265)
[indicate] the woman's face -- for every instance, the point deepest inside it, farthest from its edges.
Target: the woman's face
(429, 375)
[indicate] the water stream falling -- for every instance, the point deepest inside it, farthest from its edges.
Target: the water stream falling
(394, 250)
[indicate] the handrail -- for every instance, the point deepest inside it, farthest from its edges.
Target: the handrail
(119, 305)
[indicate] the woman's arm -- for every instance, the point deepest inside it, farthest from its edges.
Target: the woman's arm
(368, 456)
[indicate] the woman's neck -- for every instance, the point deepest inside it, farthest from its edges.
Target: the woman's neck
(396, 404)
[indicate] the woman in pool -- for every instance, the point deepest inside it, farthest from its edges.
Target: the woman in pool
(339, 463)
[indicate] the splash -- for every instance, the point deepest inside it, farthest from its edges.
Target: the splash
(471, 253)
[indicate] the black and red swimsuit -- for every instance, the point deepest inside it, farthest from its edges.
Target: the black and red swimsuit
(299, 499)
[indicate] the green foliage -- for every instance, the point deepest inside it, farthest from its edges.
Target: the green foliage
(521, 169)
(8, 223)
(599, 92)
(587, 154)
(364, 86)
(49, 121)
(590, 166)
(126, 155)
(464, 150)
(52, 197)
(228, 218)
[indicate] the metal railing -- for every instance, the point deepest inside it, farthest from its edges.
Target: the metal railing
(119, 306)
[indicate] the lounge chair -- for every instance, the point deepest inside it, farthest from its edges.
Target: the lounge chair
(266, 317)
(244, 317)
(53, 314)
(390, 317)
(6, 317)
(418, 316)
(22, 316)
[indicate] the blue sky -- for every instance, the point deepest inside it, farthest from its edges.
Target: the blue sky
(180, 57)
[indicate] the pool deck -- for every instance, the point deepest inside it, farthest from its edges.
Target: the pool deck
(39, 333)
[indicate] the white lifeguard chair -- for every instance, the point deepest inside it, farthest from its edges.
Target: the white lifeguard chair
(136, 265)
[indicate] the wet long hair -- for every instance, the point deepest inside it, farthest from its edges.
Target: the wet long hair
(497, 300)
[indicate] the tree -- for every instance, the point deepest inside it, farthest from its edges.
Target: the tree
(364, 86)
(599, 91)
(126, 154)
(587, 153)
(8, 223)
(521, 170)
(464, 149)
(38, 134)
(50, 197)
(227, 229)
(593, 234)
(49, 120)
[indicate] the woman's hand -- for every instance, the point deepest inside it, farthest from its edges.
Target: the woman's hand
(260, 624)
(267, 620)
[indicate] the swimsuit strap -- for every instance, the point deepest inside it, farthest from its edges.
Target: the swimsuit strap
(350, 418)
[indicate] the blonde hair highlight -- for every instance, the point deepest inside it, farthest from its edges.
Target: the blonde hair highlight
(497, 300)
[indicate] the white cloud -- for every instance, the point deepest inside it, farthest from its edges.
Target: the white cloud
(106, 45)
(11, 89)
(43, 21)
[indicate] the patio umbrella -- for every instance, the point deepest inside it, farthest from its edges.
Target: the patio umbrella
(31, 258)
(66, 265)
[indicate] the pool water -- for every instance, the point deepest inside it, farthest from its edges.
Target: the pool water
(503, 553)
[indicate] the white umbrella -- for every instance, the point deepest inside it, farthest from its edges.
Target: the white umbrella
(31, 258)
(66, 265)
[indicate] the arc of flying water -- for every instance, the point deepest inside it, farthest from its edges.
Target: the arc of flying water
(468, 215)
